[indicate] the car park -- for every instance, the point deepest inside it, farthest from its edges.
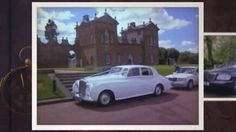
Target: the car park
(186, 77)
(120, 82)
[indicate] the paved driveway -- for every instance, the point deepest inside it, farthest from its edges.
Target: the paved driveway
(174, 107)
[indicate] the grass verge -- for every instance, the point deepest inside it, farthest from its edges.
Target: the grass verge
(168, 69)
(164, 69)
(44, 88)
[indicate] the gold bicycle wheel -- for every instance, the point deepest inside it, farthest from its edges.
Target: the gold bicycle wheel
(16, 90)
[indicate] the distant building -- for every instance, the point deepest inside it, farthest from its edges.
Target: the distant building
(97, 44)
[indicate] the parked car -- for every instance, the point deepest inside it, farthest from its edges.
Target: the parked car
(221, 78)
(120, 82)
(186, 77)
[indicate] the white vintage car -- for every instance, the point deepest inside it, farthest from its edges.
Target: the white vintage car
(120, 82)
(184, 77)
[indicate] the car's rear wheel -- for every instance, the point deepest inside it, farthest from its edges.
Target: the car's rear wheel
(190, 85)
(105, 98)
(158, 90)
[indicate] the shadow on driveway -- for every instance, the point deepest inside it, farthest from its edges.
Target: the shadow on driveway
(130, 103)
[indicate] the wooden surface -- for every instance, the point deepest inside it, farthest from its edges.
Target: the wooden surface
(220, 17)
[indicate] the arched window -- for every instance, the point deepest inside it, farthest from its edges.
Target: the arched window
(91, 60)
(151, 59)
(102, 38)
(151, 40)
(111, 38)
(118, 58)
(106, 37)
(72, 61)
(130, 59)
(107, 59)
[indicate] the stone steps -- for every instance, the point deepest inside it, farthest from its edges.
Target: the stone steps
(67, 79)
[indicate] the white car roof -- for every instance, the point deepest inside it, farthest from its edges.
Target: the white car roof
(188, 67)
(131, 66)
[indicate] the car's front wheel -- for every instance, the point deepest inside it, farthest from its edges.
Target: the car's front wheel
(104, 99)
(158, 90)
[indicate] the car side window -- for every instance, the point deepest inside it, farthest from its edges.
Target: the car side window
(146, 72)
(133, 72)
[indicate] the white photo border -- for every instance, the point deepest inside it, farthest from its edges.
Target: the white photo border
(35, 126)
(219, 34)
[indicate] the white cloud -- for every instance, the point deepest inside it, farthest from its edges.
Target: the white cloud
(187, 43)
(63, 15)
(193, 50)
(64, 29)
(158, 15)
(166, 44)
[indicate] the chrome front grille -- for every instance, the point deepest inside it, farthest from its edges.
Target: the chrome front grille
(210, 76)
(82, 88)
(172, 79)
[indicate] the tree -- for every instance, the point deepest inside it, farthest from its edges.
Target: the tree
(173, 53)
(163, 55)
(188, 57)
(51, 31)
(225, 52)
(183, 57)
(209, 40)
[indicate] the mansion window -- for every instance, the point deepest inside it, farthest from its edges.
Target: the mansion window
(154, 40)
(102, 38)
(139, 32)
(133, 40)
(107, 59)
(106, 37)
(118, 59)
(111, 38)
(151, 59)
(151, 40)
(130, 59)
(92, 39)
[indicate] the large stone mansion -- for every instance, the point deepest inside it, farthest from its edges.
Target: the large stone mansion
(97, 44)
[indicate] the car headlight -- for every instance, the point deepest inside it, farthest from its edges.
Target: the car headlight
(75, 87)
(223, 77)
(88, 88)
(181, 79)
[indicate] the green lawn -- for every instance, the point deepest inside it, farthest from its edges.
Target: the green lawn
(168, 69)
(164, 69)
(44, 89)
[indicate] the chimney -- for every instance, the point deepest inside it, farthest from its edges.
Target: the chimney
(132, 24)
(86, 18)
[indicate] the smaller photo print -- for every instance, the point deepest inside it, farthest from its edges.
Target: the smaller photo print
(220, 66)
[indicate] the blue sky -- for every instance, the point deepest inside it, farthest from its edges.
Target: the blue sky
(178, 26)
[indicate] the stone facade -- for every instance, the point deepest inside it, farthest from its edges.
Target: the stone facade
(97, 44)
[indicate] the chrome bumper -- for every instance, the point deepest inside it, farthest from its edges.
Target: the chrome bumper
(76, 96)
(179, 84)
(79, 98)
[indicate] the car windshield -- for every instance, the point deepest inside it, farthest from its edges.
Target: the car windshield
(226, 65)
(229, 70)
(185, 70)
(115, 70)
